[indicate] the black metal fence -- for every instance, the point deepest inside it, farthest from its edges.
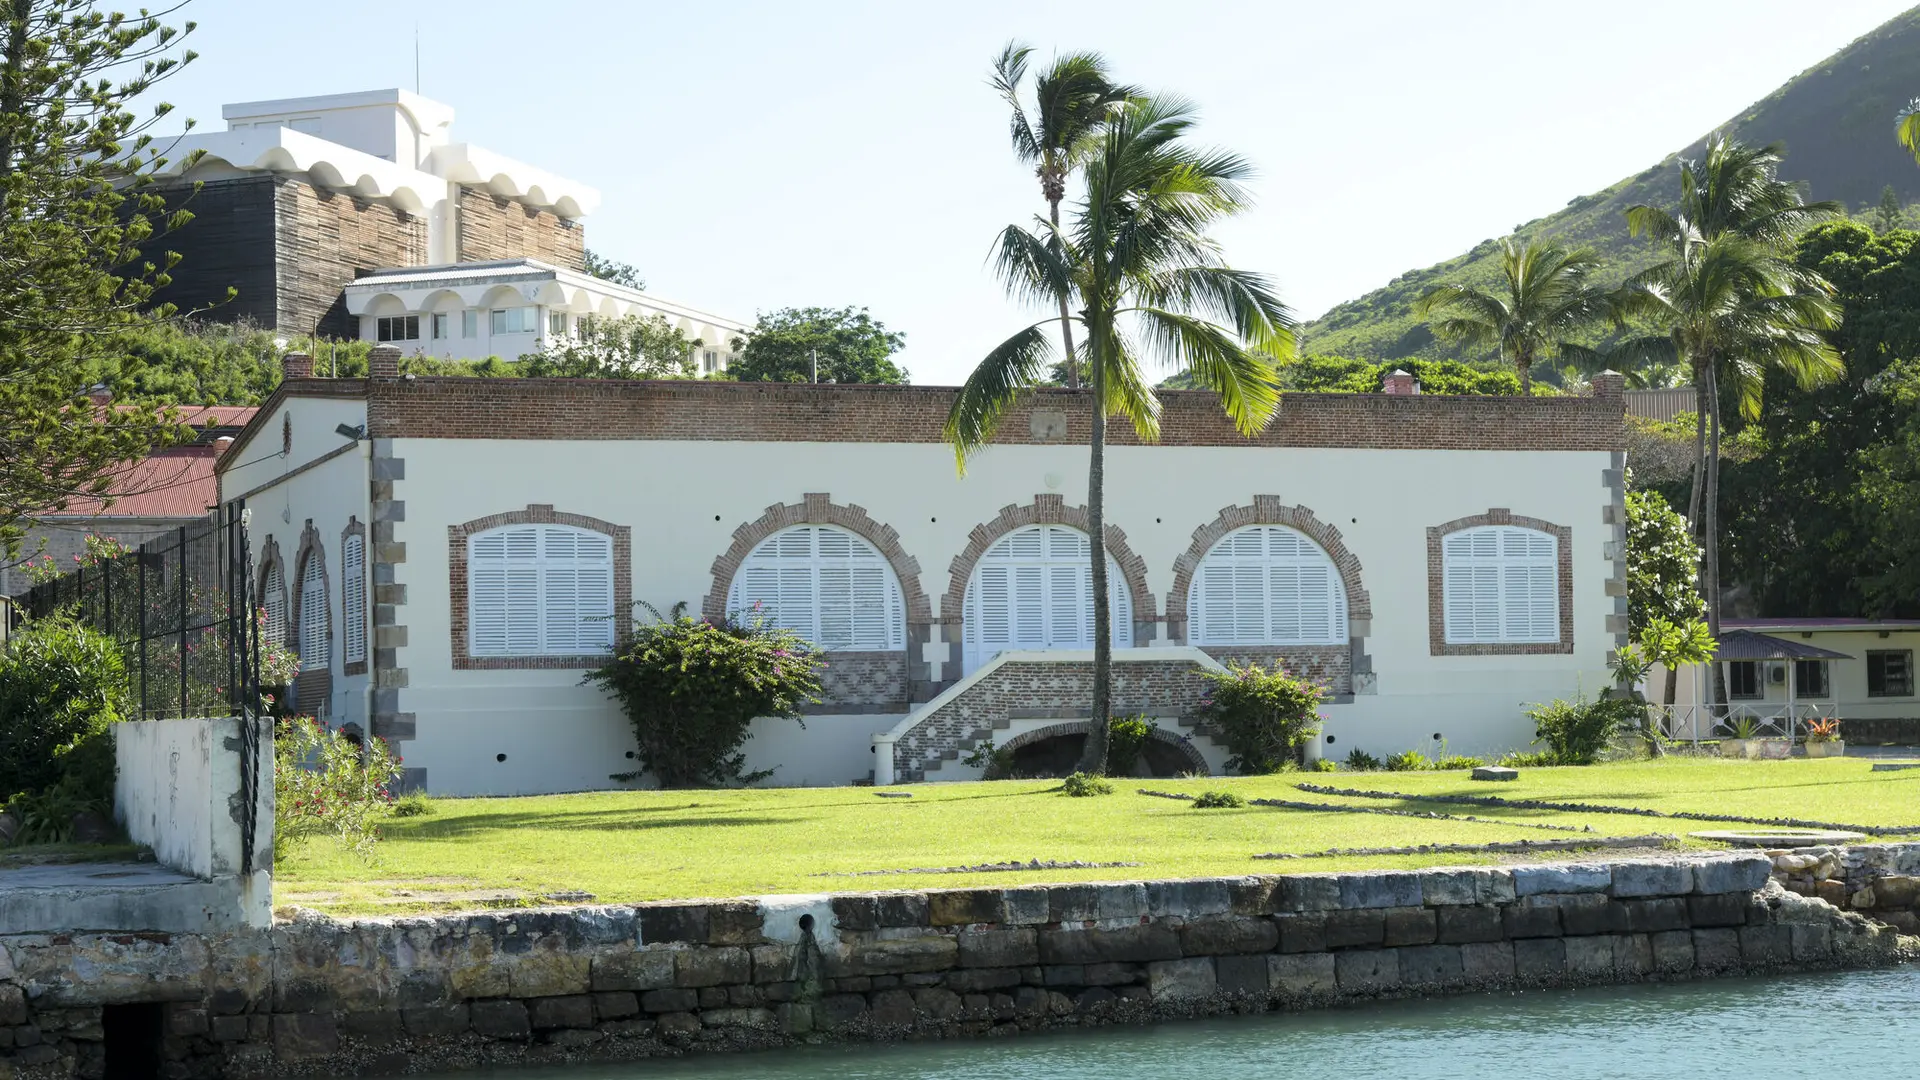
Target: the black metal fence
(179, 607)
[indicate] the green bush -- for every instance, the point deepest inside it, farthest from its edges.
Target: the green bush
(1325, 765)
(325, 784)
(994, 762)
(1458, 761)
(414, 804)
(691, 688)
(1218, 800)
(1409, 761)
(1262, 716)
(1524, 759)
(1084, 785)
(1126, 739)
(1359, 760)
(1575, 732)
(61, 686)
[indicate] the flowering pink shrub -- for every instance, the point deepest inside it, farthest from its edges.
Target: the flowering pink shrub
(327, 785)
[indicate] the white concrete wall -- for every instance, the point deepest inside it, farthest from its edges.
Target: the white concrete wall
(1847, 679)
(174, 792)
(683, 501)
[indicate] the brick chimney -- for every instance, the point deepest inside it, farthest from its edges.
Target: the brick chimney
(296, 365)
(383, 362)
(1610, 386)
(100, 395)
(1399, 382)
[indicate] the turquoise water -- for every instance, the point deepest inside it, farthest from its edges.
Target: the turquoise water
(1797, 1026)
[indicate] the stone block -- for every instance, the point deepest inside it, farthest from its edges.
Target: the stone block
(1672, 951)
(436, 1022)
(1656, 915)
(1737, 874)
(1189, 899)
(1182, 980)
(1762, 946)
(735, 924)
(758, 1019)
(1591, 913)
(1122, 900)
(1461, 923)
(1717, 909)
(977, 980)
(679, 1027)
(1139, 943)
(1027, 907)
(892, 1009)
(616, 1005)
(1244, 975)
(228, 1029)
(1833, 891)
(670, 1001)
(668, 923)
(998, 948)
(895, 956)
(1252, 895)
(1427, 966)
(300, 1036)
(1110, 974)
(549, 973)
(1303, 932)
(1571, 878)
(1811, 943)
(1355, 928)
(712, 997)
(773, 963)
(1367, 971)
(1487, 962)
(375, 1025)
(1379, 890)
(1228, 934)
(1494, 772)
(1632, 955)
(965, 907)
(184, 1019)
(1652, 879)
(1532, 917)
(1540, 959)
(1303, 974)
(1407, 926)
(1716, 949)
(838, 1010)
(571, 1011)
(1307, 892)
(1589, 957)
(1896, 891)
(794, 1019)
(1474, 885)
(1094, 1000)
(712, 967)
(1064, 975)
(501, 1019)
(646, 969)
(937, 1003)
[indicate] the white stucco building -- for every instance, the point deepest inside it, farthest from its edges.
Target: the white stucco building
(450, 554)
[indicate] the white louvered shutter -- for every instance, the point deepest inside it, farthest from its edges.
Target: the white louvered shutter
(353, 600)
(1033, 589)
(275, 632)
(1501, 586)
(1267, 585)
(314, 622)
(825, 584)
(539, 590)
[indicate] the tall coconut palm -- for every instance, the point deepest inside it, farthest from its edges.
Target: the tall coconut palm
(1733, 308)
(1906, 128)
(1549, 295)
(1145, 281)
(1072, 99)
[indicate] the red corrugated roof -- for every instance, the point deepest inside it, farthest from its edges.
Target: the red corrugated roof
(177, 482)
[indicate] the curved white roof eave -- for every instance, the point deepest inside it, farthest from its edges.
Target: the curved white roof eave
(465, 163)
(285, 150)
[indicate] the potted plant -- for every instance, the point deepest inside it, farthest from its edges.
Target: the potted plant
(1823, 739)
(1743, 738)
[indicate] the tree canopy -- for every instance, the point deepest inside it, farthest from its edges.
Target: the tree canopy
(630, 347)
(852, 346)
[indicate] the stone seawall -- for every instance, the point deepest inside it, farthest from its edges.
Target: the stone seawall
(316, 996)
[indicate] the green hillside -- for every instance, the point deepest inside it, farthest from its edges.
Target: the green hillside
(1836, 120)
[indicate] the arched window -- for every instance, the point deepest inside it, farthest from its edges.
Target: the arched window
(1502, 586)
(1267, 585)
(1033, 589)
(315, 626)
(353, 599)
(825, 584)
(274, 602)
(539, 590)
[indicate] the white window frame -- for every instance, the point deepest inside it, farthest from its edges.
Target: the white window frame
(1047, 565)
(470, 323)
(545, 563)
(824, 592)
(316, 616)
(557, 323)
(514, 320)
(1253, 569)
(1500, 585)
(396, 328)
(438, 325)
(353, 599)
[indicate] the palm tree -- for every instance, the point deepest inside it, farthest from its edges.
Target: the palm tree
(1071, 102)
(1549, 295)
(1147, 281)
(1907, 128)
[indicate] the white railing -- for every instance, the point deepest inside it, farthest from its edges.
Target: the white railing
(1692, 723)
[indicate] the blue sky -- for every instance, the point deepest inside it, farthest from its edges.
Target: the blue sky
(753, 156)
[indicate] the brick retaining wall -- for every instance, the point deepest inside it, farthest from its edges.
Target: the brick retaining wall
(320, 997)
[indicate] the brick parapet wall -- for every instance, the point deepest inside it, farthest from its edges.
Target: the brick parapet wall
(449, 407)
(1329, 665)
(319, 997)
(491, 227)
(863, 682)
(1030, 688)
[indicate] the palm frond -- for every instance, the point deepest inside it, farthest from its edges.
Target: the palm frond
(1243, 299)
(1034, 269)
(1014, 367)
(1907, 128)
(1244, 379)
(1126, 390)
(1009, 72)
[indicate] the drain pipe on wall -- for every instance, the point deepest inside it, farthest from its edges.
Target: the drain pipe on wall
(883, 759)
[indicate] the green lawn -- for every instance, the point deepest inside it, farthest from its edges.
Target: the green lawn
(630, 846)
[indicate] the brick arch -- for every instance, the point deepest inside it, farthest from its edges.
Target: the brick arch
(1436, 586)
(1081, 727)
(1266, 510)
(535, 514)
(818, 508)
(1049, 510)
(312, 690)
